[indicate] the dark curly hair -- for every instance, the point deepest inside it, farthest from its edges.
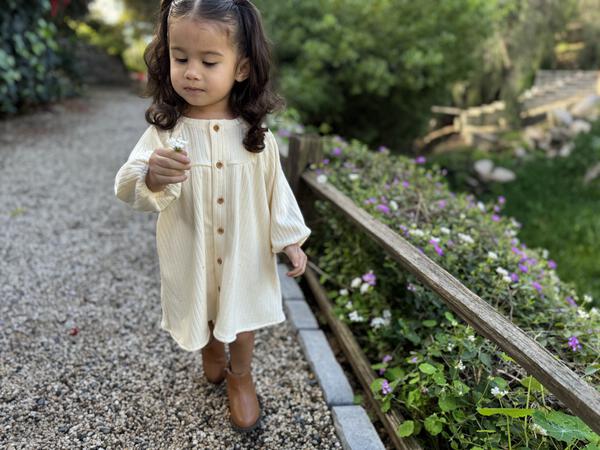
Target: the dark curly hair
(252, 99)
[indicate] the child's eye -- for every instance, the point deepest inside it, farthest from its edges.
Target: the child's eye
(210, 64)
(180, 60)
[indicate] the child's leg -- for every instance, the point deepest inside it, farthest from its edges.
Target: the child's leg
(241, 352)
(214, 358)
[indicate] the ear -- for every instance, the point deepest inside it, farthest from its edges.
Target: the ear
(243, 70)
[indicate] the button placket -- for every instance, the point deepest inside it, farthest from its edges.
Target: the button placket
(218, 188)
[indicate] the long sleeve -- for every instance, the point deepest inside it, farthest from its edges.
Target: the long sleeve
(130, 182)
(287, 223)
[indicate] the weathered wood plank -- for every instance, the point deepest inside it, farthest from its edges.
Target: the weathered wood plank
(573, 391)
(362, 368)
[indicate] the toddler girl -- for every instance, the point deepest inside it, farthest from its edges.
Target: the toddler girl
(213, 173)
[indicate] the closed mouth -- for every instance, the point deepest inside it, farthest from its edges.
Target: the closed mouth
(193, 89)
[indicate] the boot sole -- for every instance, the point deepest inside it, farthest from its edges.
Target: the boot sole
(255, 424)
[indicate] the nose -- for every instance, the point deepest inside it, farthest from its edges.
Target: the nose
(191, 73)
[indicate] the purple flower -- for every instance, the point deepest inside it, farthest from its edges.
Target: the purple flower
(326, 161)
(381, 371)
(514, 277)
(495, 217)
(441, 204)
(405, 184)
(497, 208)
(523, 268)
(369, 277)
(383, 208)
(413, 359)
(395, 181)
(537, 285)
(382, 149)
(551, 264)
(385, 387)
(383, 199)
(501, 200)
(371, 200)
(438, 249)
(336, 151)
(571, 302)
(387, 358)
(420, 160)
(574, 343)
(517, 251)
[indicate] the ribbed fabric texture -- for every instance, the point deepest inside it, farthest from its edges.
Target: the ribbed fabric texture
(218, 232)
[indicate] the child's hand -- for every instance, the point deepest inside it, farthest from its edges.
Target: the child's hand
(166, 166)
(298, 259)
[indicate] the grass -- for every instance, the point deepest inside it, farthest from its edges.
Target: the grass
(558, 212)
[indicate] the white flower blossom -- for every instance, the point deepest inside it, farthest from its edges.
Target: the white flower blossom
(393, 205)
(587, 298)
(462, 216)
(507, 279)
(583, 314)
(460, 365)
(356, 282)
(177, 143)
(349, 304)
(377, 322)
(343, 291)
(364, 288)
(450, 346)
(387, 314)
(492, 255)
(322, 178)
(356, 317)
(496, 392)
(354, 176)
(538, 429)
(466, 238)
(501, 271)
(445, 230)
(471, 338)
(416, 232)
(481, 206)
(435, 239)
(545, 254)
(594, 311)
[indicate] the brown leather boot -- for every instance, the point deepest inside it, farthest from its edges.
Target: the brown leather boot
(245, 407)
(214, 361)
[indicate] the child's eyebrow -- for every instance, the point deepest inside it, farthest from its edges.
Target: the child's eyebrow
(209, 52)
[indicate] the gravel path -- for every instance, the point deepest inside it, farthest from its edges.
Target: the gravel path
(83, 362)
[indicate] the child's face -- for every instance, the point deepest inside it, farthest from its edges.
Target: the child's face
(203, 67)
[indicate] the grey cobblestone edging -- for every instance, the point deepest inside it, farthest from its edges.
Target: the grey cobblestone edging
(351, 421)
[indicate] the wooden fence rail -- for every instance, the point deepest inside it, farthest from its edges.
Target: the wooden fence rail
(567, 386)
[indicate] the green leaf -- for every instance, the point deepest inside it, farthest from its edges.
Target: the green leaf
(564, 427)
(429, 323)
(510, 412)
(448, 403)
(427, 368)
(533, 384)
(506, 358)
(591, 447)
(406, 428)
(434, 425)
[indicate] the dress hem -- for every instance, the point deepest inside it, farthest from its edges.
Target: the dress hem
(226, 340)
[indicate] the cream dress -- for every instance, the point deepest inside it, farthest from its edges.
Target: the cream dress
(218, 232)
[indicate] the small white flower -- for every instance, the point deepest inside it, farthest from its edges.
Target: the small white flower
(177, 143)
(587, 298)
(462, 216)
(460, 365)
(496, 392)
(322, 178)
(501, 271)
(387, 314)
(435, 239)
(538, 430)
(471, 338)
(393, 205)
(355, 317)
(377, 322)
(450, 346)
(583, 314)
(545, 254)
(349, 304)
(506, 279)
(364, 287)
(515, 222)
(354, 176)
(416, 232)
(445, 230)
(466, 238)
(343, 291)
(492, 255)
(356, 282)
(481, 206)
(594, 311)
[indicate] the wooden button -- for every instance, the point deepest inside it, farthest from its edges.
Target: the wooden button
(219, 260)
(216, 128)
(219, 164)
(221, 230)
(220, 200)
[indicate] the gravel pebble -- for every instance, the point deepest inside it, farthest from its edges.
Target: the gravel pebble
(84, 363)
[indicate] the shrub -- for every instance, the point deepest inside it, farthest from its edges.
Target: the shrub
(455, 385)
